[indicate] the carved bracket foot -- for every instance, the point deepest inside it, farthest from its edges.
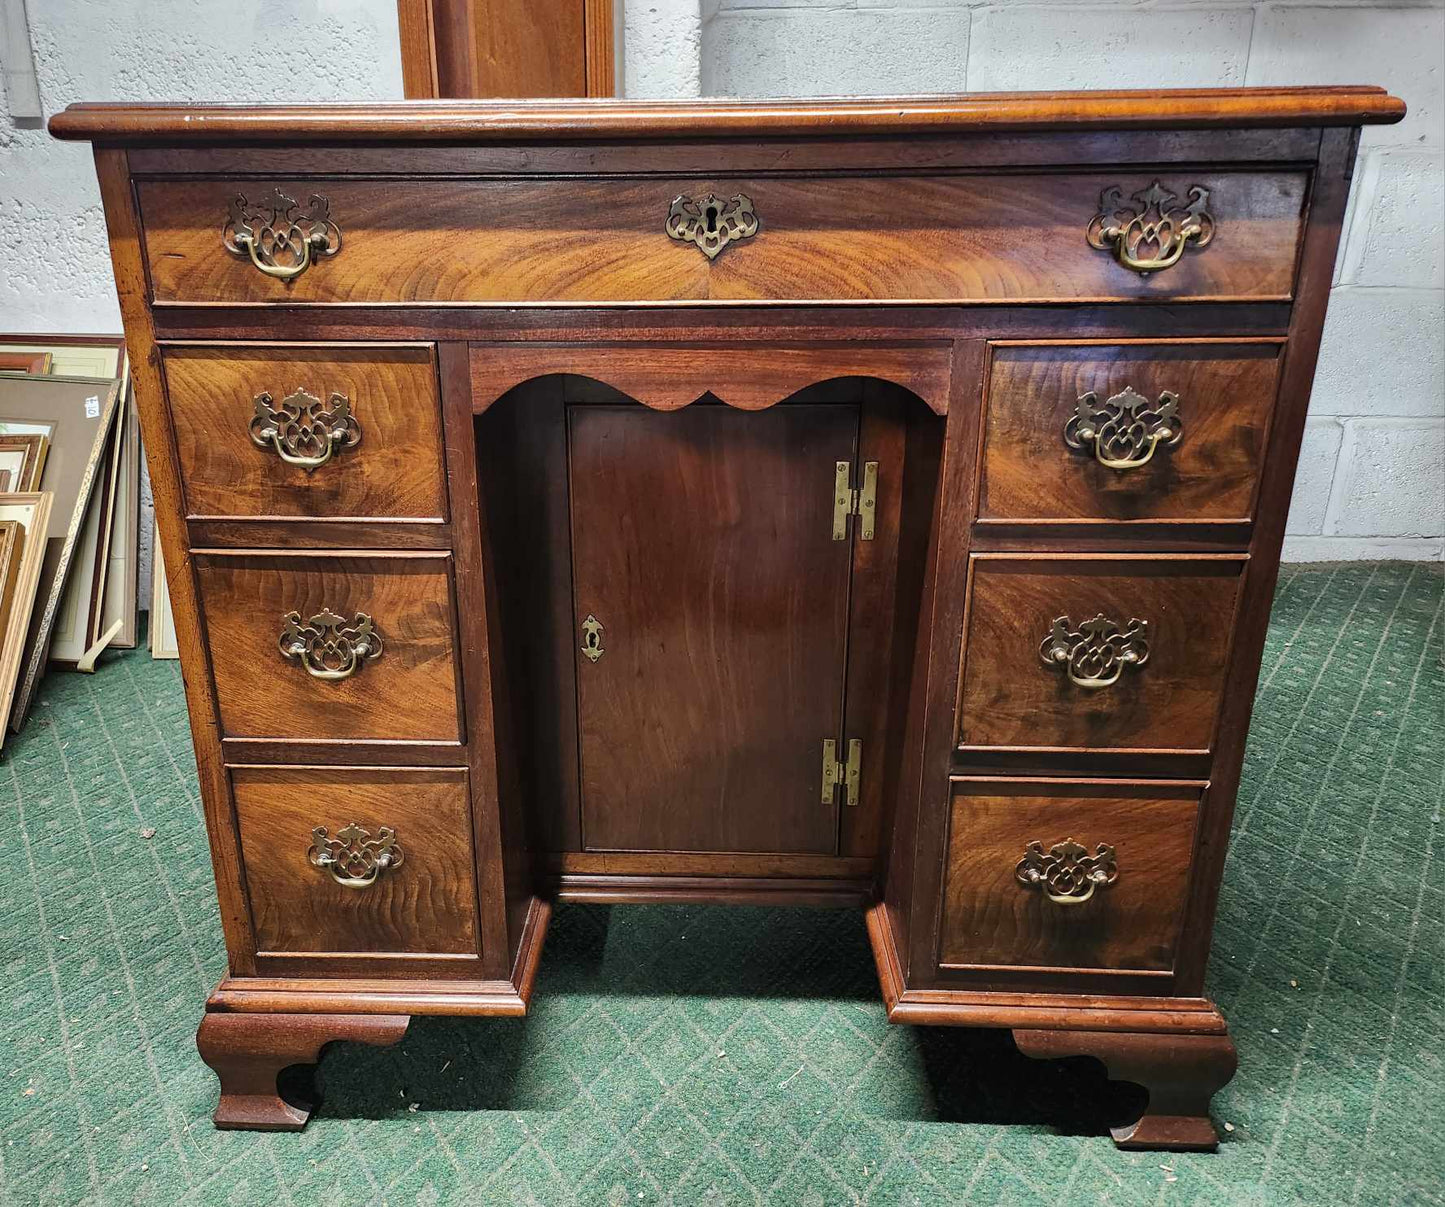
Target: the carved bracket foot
(1181, 1073)
(249, 1051)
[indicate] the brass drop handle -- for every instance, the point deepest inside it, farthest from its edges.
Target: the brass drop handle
(269, 266)
(303, 431)
(329, 646)
(354, 858)
(1126, 429)
(1154, 220)
(710, 222)
(1067, 874)
(281, 240)
(1096, 653)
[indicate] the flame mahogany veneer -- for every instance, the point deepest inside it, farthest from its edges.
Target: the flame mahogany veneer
(515, 470)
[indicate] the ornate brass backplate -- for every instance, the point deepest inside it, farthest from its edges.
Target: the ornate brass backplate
(281, 240)
(710, 222)
(354, 858)
(329, 646)
(1096, 653)
(1125, 429)
(592, 639)
(1152, 233)
(302, 430)
(1067, 873)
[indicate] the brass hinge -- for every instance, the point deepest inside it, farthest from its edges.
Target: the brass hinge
(862, 503)
(851, 773)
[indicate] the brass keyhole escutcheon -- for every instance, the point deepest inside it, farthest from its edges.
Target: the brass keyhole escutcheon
(592, 638)
(710, 222)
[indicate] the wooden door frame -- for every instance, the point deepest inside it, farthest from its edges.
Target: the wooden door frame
(427, 26)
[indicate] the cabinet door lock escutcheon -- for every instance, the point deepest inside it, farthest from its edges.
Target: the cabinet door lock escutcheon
(592, 638)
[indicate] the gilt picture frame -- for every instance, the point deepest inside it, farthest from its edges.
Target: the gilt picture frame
(32, 511)
(22, 461)
(84, 411)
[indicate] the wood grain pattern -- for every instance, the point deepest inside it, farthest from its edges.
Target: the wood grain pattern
(1328, 205)
(1011, 698)
(427, 904)
(510, 120)
(702, 540)
(748, 376)
(1076, 1008)
(1226, 395)
(123, 228)
(394, 471)
(501, 845)
(900, 240)
(521, 449)
(408, 692)
(418, 49)
(935, 239)
(701, 155)
(990, 919)
(511, 48)
(1180, 1072)
(830, 323)
(602, 21)
(248, 1052)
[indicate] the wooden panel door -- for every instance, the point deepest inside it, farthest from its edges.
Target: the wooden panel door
(703, 543)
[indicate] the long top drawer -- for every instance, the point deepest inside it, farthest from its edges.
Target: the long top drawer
(1027, 237)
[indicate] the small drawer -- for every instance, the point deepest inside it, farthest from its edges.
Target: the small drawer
(313, 431)
(1084, 653)
(1126, 431)
(1036, 237)
(392, 871)
(317, 647)
(1052, 874)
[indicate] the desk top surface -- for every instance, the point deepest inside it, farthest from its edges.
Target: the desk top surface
(503, 121)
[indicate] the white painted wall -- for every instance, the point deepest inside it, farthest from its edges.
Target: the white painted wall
(54, 267)
(1372, 478)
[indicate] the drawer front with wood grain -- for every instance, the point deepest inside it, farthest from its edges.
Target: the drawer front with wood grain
(1119, 432)
(305, 430)
(374, 860)
(1089, 653)
(321, 647)
(934, 238)
(1053, 874)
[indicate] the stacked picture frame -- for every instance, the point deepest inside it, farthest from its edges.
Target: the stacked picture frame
(70, 484)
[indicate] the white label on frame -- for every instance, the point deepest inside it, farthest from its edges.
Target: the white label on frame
(92, 407)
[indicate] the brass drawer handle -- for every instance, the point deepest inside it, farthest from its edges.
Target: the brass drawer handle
(354, 858)
(281, 241)
(302, 430)
(1096, 653)
(329, 646)
(710, 222)
(1155, 224)
(1067, 874)
(1125, 430)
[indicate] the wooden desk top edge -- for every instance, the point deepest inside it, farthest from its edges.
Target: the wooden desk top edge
(502, 121)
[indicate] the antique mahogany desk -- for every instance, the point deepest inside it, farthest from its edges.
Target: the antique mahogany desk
(866, 503)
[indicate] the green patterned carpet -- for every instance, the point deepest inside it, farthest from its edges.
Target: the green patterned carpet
(709, 1056)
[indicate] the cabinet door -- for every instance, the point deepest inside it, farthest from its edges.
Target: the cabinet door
(702, 543)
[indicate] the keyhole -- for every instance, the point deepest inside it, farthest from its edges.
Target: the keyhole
(592, 639)
(712, 213)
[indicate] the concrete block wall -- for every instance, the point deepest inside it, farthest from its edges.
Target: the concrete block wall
(1371, 481)
(54, 263)
(1372, 478)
